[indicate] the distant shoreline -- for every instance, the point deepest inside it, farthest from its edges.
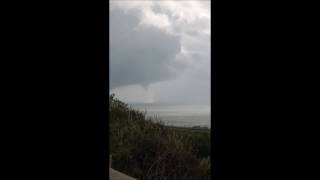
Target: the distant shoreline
(189, 128)
(197, 116)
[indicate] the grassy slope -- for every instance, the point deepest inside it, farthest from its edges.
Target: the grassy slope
(146, 149)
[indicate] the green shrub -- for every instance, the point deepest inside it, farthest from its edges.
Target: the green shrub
(147, 149)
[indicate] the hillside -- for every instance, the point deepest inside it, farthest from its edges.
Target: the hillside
(145, 148)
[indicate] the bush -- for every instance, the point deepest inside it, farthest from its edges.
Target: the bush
(147, 149)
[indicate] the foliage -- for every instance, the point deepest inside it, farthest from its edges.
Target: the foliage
(148, 150)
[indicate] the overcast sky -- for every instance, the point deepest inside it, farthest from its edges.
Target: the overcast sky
(160, 51)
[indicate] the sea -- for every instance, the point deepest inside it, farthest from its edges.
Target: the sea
(178, 115)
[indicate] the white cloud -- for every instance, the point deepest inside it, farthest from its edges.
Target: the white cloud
(185, 21)
(158, 20)
(134, 93)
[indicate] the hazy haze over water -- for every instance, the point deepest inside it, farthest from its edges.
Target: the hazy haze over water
(178, 115)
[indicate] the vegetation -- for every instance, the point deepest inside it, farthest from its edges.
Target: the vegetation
(146, 149)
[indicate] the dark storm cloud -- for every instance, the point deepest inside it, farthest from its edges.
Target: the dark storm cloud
(139, 55)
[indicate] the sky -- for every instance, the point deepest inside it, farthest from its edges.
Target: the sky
(160, 51)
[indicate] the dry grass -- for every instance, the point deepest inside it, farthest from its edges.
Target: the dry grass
(148, 150)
